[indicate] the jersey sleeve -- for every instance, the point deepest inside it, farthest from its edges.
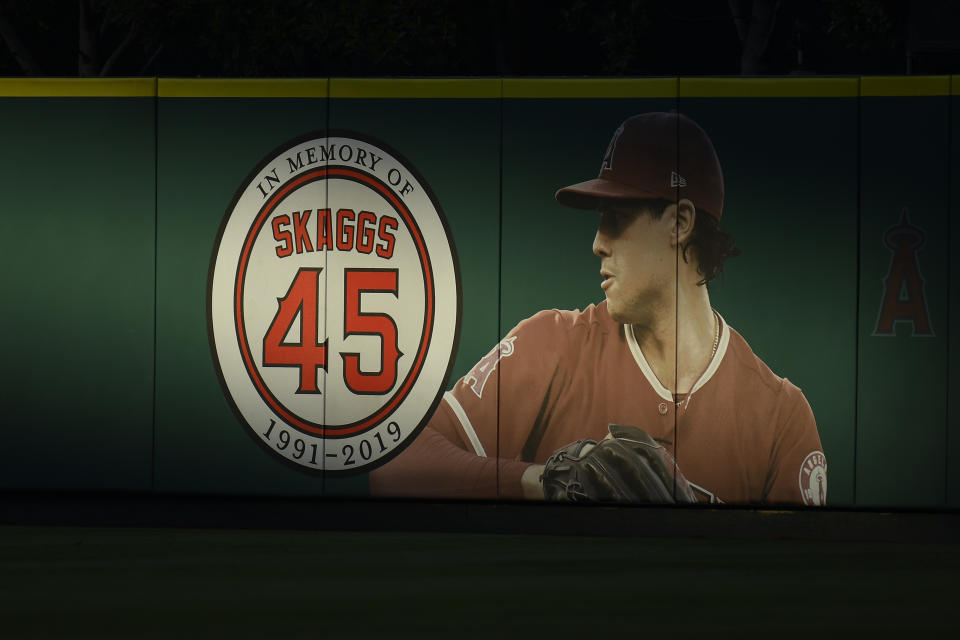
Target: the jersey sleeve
(500, 400)
(798, 469)
(473, 444)
(434, 467)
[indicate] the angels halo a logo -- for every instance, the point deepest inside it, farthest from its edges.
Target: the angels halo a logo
(334, 302)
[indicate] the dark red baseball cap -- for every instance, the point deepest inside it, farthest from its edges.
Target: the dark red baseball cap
(652, 156)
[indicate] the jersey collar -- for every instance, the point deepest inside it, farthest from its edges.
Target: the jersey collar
(661, 390)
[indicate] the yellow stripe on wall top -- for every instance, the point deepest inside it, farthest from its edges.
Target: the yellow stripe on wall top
(768, 87)
(415, 87)
(590, 88)
(243, 88)
(489, 88)
(892, 86)
(78, 87)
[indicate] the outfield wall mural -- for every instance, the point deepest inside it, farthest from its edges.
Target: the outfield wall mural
(452, 288)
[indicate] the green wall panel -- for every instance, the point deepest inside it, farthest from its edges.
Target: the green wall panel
(78, 288)
(901, 420)
(790, 168)
(454, 145)
(207, 148)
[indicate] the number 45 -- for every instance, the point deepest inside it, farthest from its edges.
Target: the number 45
(309, 355)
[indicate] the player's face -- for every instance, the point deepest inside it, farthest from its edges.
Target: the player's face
(637, 263)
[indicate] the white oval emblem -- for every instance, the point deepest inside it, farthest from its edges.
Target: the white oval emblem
(334, 302)
(813, 479)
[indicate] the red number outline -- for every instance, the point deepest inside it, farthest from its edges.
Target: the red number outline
(359, 323)
(277, 353)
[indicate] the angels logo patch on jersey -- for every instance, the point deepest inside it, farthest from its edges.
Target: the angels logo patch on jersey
(334, 302)
(813, 479)
(478, 376)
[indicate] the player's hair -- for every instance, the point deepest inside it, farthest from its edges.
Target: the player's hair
(711, 244)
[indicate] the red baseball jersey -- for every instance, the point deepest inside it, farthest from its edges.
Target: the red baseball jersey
(742, 434)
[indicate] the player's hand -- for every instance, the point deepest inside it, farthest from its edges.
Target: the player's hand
(531, 482)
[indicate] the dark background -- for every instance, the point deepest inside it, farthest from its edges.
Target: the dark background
(340, 38)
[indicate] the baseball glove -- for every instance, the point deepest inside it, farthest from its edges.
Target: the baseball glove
(628, 467)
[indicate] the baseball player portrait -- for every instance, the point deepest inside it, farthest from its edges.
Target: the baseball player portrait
(648, 396)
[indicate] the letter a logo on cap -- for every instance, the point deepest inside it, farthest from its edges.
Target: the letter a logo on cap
(608, 158)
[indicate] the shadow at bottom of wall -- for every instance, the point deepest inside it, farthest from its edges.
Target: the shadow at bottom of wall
(325, 514)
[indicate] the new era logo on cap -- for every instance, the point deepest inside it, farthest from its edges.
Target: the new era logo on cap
(677, 180)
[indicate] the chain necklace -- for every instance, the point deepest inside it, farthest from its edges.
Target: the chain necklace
(716, 335)
(685, 401)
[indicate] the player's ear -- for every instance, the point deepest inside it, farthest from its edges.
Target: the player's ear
(683, 217)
